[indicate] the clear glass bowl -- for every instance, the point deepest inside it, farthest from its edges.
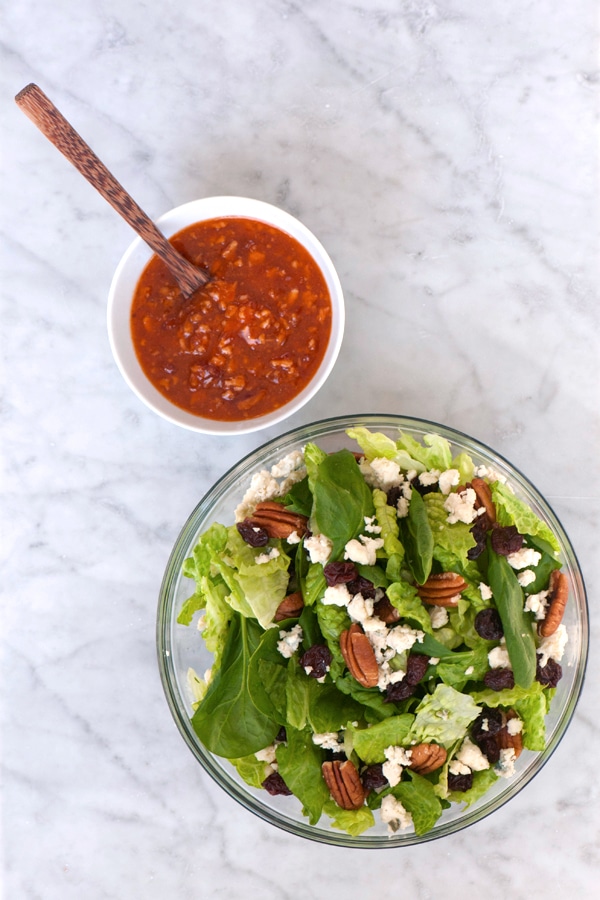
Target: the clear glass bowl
(181, 647)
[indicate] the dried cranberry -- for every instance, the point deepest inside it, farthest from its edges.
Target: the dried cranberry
(385, 611)
(416, 666)
(506, 539)
(499, 679)
(491, 749)
(550, 674)
(488, 624)
(478, 531)
(318, 659)
(274, 784)
(486, 725)
(401, 690)
(373, 778)
(253, 534)
(339, 573)
(460, 782)
(393, 495)
(362, 586)
(281, 735)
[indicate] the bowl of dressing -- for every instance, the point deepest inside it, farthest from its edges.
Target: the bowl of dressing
(252, 346)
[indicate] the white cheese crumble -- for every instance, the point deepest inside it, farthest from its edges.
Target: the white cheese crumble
(319, 548)
(553, 646)
(461, 507)
(363, 551)
(434, 660)
(262, 487)
(267, 755)
(381, 472)
(429, 478)
(359, 609)
(485, 591)
(263, 558)
(526, 577)
(505, 767)
(329, 740)
(290, 463)
(371, 525)
(498, 658)
(336, 595)
(490, 474)
(396, 759)
(458, 768)
(402, 638)
(402, 507)
(289, 641)
(514, 726)
(394, 815)
(536, 603)
(523, 558)
(469, 670)
(293, 538)
(448, 480)
(439, 616)
(470, 755)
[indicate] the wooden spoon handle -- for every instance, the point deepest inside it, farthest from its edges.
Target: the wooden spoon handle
(42, 112)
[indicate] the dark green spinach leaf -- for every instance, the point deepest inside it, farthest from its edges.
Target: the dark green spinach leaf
(417, 538)
(342, 499)
(509, 600)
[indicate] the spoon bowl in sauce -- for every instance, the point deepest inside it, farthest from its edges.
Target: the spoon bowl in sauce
(252, 346)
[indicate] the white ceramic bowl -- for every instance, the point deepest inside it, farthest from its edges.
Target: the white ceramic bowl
(127, 276)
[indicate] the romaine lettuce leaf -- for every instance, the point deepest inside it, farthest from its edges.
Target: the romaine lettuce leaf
(444, 716)
(418, 797)
(512, 511)
(353, 821)
(403, 596)
(373, 444)
(370, 743)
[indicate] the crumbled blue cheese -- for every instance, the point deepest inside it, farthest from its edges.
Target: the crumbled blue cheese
(403, 637)
(553, 646)
(498, 658)
(523, 558)
(505, 767)
(485, 591)
(336, 595)
(461, 507)
(526, 577)
(363, 550)
(267, 755)
(381, 473)
(293, 462)
(293, 538)
(289, 641)
(448, 479)
(396, 760)
(428, 478)
(438, 616)
(458, 768)
(394, 815)
(359, 609)
(329, 740)
(489, 473)
(371, 525)
(263, 558)
(514, 726)
(536, 604)
(470, 755)
(262, 487)
(402, 507)
(318, 547)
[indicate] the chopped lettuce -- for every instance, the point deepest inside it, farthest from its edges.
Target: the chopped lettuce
(443, 717)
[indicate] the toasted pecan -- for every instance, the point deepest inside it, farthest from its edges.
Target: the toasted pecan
(425, 758)
(344, 783)
(290, 607)
(359, 656)
(505, 740)
(277, 521)
(557, 601)
(442, 589)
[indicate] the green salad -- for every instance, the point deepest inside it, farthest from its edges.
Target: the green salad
(385, 627)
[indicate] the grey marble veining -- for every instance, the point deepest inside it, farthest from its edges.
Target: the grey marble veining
(446, 154)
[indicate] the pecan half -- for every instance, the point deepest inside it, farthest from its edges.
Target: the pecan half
(483, 493)
(425, 758)
(277, 521)
(442, 589)
(290, 607)
(557, 600)
(359, 656)
(505, 740)
(344, 783)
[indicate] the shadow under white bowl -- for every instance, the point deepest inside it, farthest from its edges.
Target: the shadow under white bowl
(130, 269)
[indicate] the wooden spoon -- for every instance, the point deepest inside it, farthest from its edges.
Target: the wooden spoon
(42, 112)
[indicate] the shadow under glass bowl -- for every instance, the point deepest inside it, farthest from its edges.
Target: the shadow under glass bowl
(181, 647)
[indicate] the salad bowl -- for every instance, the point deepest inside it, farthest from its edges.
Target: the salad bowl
(186, 664)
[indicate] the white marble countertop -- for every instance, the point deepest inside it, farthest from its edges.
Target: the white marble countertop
(446, 155)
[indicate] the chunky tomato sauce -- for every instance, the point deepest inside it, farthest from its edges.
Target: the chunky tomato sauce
(247, 342)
